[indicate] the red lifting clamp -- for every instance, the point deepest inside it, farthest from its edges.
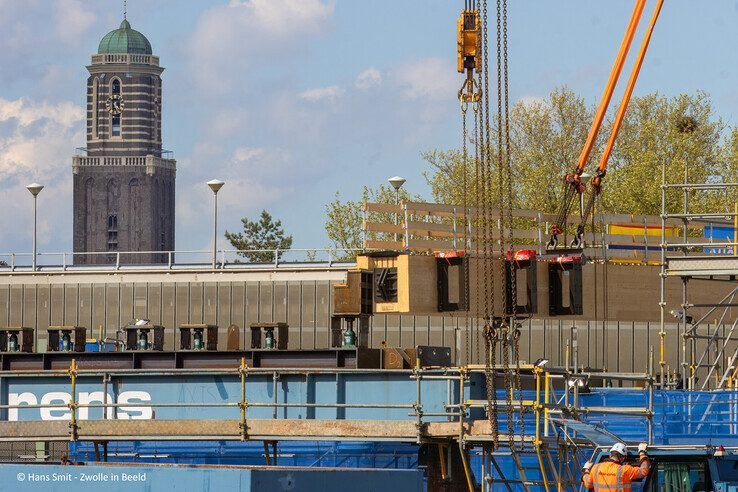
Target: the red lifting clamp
(521, 255)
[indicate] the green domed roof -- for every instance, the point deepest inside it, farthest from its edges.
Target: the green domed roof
(125, 40)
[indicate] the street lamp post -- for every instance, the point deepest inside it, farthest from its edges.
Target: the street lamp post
(215, 185)
(396, 182)
(35, 189)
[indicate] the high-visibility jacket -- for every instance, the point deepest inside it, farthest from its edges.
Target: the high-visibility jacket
(612, 476)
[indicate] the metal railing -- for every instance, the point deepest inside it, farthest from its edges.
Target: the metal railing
(125, 58)
(430, 227)
(227, 259)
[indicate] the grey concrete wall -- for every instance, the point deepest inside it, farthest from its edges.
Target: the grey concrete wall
(302, 297)
(306, 306)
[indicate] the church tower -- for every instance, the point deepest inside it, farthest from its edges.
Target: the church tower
(124, 183)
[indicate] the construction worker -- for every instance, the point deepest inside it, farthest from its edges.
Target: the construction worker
(613, 473)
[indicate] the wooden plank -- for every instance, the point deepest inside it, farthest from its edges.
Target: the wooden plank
(431, 245)
(448, 210)
(438, 209)
(387, 208)
(228, 429)
(442, 210)
(384, 245)
(432, 231)
(383, 227)
(416, 226)
(517, 234)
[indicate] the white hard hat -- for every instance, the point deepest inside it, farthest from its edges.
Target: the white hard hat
(619, 448)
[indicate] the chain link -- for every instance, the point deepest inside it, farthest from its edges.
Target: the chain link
(492, 328)
(506, 335)
(516, 347)
(513, 271)
(490, 349)
(464, 107)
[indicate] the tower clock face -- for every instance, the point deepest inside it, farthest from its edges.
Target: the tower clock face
(114, 104)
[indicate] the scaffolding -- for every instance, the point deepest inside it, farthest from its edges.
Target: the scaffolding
(444, 412)
(709, 340)
(547, 458)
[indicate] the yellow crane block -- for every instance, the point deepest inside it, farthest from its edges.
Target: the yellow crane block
(469, 41)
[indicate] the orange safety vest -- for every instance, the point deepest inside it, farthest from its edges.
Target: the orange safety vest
(612, 476)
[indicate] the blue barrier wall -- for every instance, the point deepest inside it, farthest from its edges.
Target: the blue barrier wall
(392, 388)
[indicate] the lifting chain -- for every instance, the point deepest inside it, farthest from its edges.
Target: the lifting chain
(478, 237)
(513, 272)
(492, 327)
(464, 107)
(504, 327)
(491, 334)
(516, 347)
(482, 144)
(469, 93)
(506, 340)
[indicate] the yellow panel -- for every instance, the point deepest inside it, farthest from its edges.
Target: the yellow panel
(639, 230)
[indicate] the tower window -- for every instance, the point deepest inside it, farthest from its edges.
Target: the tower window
(163, 238)
(113, 232)
(115, 119)
(95, 89)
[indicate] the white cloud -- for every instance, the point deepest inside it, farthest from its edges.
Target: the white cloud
(368, 79)
(329, 93)
(36, 144)
(283, 16)
(40, 134)
(228, 40)
(432, 78)
(27, 112)
(242, 154)
(73, 19)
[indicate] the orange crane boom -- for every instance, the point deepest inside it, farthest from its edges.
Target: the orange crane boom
(572, 180)
(602, 168)
(617, 68)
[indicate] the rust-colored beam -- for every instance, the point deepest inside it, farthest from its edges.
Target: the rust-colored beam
(259, 429)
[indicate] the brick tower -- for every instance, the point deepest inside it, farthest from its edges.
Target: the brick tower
(124, 183)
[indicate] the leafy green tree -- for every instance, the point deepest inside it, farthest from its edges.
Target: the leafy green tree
(546, 138)
(680, 133)
(260, 238)
(727, 200)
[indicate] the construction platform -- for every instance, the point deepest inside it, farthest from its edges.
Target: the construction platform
(541, 434)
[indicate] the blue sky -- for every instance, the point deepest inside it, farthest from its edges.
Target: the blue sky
(289, 101)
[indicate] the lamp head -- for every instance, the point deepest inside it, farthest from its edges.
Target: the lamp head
(215, 185)
(35, 188)
(396, 182)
